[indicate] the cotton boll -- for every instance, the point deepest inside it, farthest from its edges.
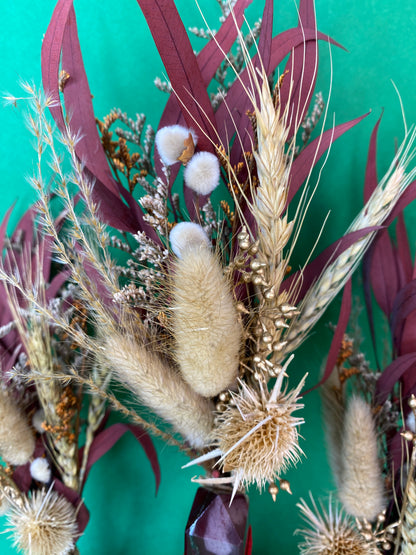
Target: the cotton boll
(37, 421)
(40, 470)
(187, 235)
(170, 142)
(202, 174)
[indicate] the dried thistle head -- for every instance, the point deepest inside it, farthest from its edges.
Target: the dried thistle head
(257, 434)
(43, 524)
(331, 533)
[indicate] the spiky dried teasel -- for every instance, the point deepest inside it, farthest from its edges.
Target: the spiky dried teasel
(205, 323)
(361, 488)
(17, 441)
(331, 532)
(43, 523)
(256, 435)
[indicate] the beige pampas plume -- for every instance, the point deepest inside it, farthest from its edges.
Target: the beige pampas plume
(361, 490)
(17, 441)
(205, 322)
(43, 524)
(158, 386)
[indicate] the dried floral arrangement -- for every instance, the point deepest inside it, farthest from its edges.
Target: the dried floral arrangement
(160, 261)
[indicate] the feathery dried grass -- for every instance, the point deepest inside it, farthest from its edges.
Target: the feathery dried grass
(361, 489)
(43, 524)
(205, 323)
(333, 417)
(158, 386)
(17, 441)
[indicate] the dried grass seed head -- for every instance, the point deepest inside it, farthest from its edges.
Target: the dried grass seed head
(361, 489)
(170, 142)
(44, 524)
(330, 533)
(202, 173)
(186, 236)
(258, 435)
(205, 322)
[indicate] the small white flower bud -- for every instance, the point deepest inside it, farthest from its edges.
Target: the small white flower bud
(410, 422)
(40, 470)
(170, 142)
(202, 173)
(186, 236)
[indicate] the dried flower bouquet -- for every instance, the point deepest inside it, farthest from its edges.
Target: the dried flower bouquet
(190, 302)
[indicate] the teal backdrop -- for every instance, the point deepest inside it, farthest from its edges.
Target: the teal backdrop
(121, 62)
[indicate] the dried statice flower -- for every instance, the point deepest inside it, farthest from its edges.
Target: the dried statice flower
(13, 425)
(43, 524)
(205, 326)
(331, 533)
(361, 489)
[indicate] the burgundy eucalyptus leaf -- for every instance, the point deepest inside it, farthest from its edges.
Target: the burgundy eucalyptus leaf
(369, 303)
(403, 307)
(371, 181)
(22, 477)
(393, 373)
(403, 249)
(383, 271)
(106, 439)
(83, 515)
(302, 66)
(309, 156)
(232, 111)
(56, 284)
(181, 66)
(266, 34)
(342, 323)
(318, 264)
(62, 36)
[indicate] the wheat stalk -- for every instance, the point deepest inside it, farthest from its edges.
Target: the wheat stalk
(408, 529)
(337, 273)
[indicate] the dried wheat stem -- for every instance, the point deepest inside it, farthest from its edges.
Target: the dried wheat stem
(336, 274)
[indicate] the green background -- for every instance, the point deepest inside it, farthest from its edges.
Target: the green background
(122, 62)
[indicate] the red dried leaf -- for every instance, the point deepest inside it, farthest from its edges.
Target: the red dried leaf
(331, 253)
(393, 373)
(307, 159)
(404, 305)
(383, 271)
(403, 248)
(297, 88)
(106, 439)
(344, 316)
(266, 34)
(371, 181)
(83, 515)
(181, 66)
